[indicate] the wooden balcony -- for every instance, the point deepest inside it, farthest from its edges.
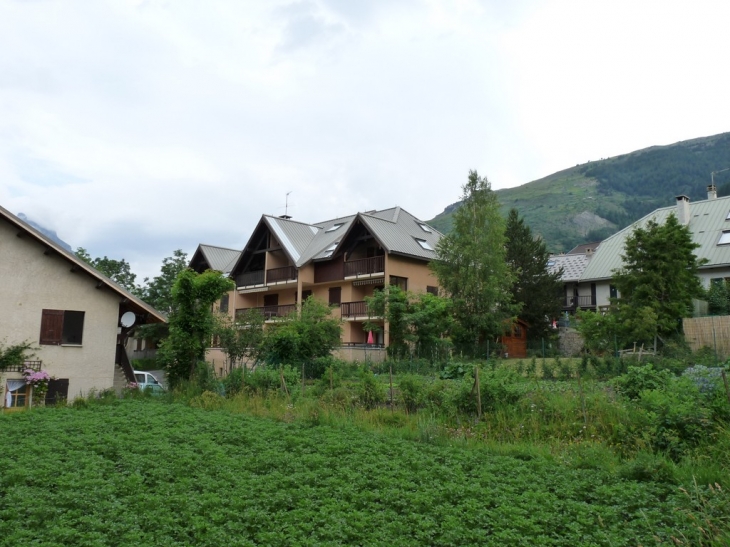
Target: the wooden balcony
(287, 273)
(354, 309)
(249, 279)
(270, 312)
(365, 266)
(579, 302)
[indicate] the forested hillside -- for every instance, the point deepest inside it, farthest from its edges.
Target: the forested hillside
(591, 201)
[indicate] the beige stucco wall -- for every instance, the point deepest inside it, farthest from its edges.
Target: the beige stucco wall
(31, 281)
(418, 273)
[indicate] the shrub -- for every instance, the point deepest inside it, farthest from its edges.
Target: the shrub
(370, 392)
(233, 383)
(207, 401)
(647, 467)
(641, 378)
(412, 392)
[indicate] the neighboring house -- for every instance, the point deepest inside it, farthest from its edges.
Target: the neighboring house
(340, 261)
(709, 223)
(577, 294)
(67, 310)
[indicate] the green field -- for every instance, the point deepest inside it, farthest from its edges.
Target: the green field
(151, 472)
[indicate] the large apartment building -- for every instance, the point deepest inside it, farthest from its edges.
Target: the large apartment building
(340, 261)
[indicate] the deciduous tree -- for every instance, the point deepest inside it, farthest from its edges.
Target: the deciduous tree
(191, 321)
(472, 269)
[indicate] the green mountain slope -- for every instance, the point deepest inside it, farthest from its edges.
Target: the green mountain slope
(591, 201)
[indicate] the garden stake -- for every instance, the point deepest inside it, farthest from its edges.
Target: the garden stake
(582, 400)
(391, 388)
(479, 393)
(302, 377)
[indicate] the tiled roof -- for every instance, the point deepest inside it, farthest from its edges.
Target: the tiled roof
(572, 265)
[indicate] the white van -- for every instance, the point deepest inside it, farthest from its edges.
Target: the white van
(146, 380)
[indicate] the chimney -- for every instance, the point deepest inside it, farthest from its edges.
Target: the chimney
(589, 251)
(683, 210)
(712, 192)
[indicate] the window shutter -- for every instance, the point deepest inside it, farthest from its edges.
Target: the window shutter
(57, 391)
(51, 327)
(335, 295)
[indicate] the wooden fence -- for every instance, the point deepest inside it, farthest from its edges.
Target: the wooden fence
(712, 332)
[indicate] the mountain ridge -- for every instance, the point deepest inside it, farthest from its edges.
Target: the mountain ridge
(593, 200)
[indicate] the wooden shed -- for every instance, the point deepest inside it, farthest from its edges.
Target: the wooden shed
(515, 342)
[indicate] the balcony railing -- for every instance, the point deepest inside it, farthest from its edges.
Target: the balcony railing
(364, 266)
(270, 312)
(572, 302)
(354, 309)
(22, 367)
(250, 278)
(287, 273)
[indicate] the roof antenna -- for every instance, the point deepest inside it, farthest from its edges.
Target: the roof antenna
(286, 216)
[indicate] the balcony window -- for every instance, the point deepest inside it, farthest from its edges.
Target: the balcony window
(335, 296)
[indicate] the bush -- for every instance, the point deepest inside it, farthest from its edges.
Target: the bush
(641, 378)
(412, 393)
(370, 392)
(233, 383)
(267, 379)
(207, 401)
(647, 467)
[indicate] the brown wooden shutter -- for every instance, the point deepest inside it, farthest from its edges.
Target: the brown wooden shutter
(335, 294)
(51, 327)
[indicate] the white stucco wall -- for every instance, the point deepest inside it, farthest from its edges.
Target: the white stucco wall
(31, 281)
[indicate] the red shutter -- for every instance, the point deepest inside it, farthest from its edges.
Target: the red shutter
(51, 327)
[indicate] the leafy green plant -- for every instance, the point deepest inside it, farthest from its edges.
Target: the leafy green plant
(370, 392)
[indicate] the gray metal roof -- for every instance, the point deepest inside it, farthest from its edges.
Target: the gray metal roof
(293, 236)
(219, 258)
(400, 232)
(708, 220)
(573, 266)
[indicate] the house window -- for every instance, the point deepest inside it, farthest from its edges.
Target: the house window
(62, 327)
(432, 290)
(400, 282)
(16, 393)
(724, 238)
(305, 294)
(138, 344)
(57, 391)
(224, 304)
(424, 244)
(335, 296)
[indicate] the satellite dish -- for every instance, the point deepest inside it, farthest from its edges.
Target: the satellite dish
(128, 319)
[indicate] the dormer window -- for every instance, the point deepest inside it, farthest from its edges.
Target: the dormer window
(425, 228)
(424, 244)
(724, 238)
(728, 216)
(331, 249)
(334, 227)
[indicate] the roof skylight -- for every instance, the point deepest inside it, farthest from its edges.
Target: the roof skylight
(425, 228)
(333, 228)
(426, 246)
(724, 238)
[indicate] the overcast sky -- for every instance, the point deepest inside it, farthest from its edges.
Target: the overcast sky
(134, 128)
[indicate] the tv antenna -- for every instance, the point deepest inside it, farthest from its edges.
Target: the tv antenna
(712, 175)
(286, 203)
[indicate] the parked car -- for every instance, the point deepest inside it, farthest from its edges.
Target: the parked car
(146, 380)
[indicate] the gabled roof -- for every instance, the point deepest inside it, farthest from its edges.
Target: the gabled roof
(396, 230)
(217, 258)
(132, 301)
(708, 220)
